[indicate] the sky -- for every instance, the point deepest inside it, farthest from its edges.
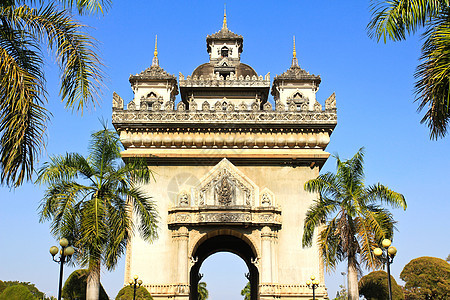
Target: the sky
(374, 92)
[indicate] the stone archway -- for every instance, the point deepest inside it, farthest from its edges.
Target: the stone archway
(224, 243)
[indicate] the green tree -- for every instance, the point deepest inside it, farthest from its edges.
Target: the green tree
(351, 220)
(30, 286)
(91, 202)
(2, 286)
(24, 31)
(374, 286)
(394, 20)
(426, 278)
(126, 293)
(246, 291)
(341, 294)
(75, 286)
(202, 291)
(17, 292)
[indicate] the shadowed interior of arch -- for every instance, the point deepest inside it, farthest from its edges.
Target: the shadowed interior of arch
(224, 243)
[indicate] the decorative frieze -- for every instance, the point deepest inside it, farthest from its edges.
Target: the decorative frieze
(253, 217)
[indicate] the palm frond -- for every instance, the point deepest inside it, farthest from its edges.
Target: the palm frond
(394, 19)
(432, 85)
(22, 116)
(386, 195)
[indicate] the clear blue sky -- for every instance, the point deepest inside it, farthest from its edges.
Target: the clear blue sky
(374, 89)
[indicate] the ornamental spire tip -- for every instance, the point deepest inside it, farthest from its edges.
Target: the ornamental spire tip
(155, 61)
(224, 26)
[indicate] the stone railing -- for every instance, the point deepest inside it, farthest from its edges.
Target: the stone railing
(217, 80)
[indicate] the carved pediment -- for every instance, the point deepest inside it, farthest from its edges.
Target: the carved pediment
(226, 186)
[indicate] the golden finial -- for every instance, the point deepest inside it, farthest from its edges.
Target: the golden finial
(294, 56)
(156, 46)
(294, 53)
(224, 26)
(155, 61)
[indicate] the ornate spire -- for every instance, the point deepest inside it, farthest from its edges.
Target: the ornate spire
(224, 26)
(294, 56)
(155, 61)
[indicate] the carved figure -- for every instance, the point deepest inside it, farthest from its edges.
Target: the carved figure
(224, 192)
(184, 199)
(265, 200)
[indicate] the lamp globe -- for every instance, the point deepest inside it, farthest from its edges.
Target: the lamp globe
(392, 251)
(386, 243)
(54, 250)
(63, 242)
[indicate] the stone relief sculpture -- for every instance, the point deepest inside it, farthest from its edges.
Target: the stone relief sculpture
(224, 192)
(131, 105)
(183, 199)
(205, 106)
(117, 101)
(266, 199)
(317, 106)
(330, 103)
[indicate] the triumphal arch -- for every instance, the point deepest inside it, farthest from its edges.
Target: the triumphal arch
(229, 170)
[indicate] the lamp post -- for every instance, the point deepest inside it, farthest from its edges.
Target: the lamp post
(386, 254)
(313, 284)
(65, 253)
(133, 283)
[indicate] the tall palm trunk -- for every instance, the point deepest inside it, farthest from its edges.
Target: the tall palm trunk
(353, 293)
(93, 282)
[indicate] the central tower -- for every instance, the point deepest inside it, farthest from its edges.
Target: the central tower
(229, 168)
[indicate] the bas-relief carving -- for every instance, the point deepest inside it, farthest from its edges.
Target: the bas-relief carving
(117, 101)
(225, 185)
(330, 103)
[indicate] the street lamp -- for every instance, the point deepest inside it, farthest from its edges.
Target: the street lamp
(65, 253)
(386, 254)
(313, 284)
(133, 283)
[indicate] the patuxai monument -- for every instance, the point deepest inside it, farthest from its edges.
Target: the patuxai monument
(229, 170)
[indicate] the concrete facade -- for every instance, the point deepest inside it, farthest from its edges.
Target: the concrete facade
(229, 171)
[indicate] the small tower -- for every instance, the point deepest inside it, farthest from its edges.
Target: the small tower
(153, 88)
(296, 88)
(224, 81)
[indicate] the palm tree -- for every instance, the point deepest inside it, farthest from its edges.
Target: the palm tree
(91, 202)
(350, 218)
(202, 291)
(246, 291)
(24, 31)
(395, 19)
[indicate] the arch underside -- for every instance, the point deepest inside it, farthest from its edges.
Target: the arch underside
(224, 243)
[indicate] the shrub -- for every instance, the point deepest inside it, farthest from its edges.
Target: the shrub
(374, 286)
(17, 292)
(126, 293)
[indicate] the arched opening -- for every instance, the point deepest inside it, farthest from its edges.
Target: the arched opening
(224, 52)
(225, 274)
(224, 243)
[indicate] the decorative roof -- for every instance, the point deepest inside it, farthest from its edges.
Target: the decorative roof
(295, 72)
(155, 72)
(224, 33)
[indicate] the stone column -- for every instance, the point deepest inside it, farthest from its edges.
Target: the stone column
(266, 255)
(183, 272)
(275, 256)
